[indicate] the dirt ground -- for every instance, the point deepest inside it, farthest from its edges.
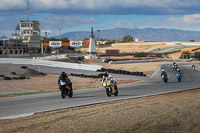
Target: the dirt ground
(175, 112)
(169, 113)
(44, 83)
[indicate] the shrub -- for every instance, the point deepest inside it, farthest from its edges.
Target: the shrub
(197, 55)
(185, 55)
(141, 54)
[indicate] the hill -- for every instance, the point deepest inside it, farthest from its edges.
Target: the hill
(147, 34)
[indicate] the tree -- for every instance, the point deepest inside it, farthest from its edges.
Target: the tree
(127, 38)
(186, 55)
(197, 55)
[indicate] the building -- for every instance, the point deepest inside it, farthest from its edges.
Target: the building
(12, 47)
(29, 31)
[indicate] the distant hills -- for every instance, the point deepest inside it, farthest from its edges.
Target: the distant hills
(147, 34)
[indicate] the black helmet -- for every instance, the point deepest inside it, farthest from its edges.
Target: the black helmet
(106, 74)
(63, 74)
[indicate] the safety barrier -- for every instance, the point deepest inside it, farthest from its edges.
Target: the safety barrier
(49, 63)
(150, 60)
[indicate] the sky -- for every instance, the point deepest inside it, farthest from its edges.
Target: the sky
(81, 15)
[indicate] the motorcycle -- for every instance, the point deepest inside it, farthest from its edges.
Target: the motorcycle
(193, 67)
(111, 89)
(175, 67)
(178, 75)
(164, 78)
(65, 89)
(172, 67)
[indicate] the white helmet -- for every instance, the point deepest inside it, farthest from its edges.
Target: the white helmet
(163, 70)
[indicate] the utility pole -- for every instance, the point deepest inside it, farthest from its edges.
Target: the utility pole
(98, 39)
(60, 33)
(27, 12)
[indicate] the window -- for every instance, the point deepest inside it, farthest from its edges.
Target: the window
(1, 43)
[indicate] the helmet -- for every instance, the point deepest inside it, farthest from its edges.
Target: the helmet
(163, 70)
(106, 74)
(63, 74)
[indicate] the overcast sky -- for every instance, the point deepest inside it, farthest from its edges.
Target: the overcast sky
(81, 15)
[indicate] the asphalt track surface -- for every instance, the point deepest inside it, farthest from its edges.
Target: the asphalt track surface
(27, 105)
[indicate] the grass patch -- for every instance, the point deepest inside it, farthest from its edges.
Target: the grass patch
(181, 47)
(25, 93)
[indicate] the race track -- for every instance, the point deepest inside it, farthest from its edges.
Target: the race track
(26, 105)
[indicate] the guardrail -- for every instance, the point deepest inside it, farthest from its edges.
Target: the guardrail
(49, 63)
(150, 60)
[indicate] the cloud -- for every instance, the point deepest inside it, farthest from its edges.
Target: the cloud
(189, 21)
(128, 24)
(145, 7)
(10, 4)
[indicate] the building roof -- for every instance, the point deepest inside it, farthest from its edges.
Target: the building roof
(3, 37)
(33, 21)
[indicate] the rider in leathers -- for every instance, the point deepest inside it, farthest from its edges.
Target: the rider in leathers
(63, 77)
(106, 75)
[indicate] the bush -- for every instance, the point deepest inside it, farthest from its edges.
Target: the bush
(185, 55)
(197, 55)
(141, 54)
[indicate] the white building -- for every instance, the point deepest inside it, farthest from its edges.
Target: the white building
(29, 31)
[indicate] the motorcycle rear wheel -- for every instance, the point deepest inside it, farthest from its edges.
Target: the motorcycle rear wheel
(70, 93)
(116, 91)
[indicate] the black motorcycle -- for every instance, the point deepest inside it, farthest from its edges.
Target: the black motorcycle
(164, 78)
(65, 89)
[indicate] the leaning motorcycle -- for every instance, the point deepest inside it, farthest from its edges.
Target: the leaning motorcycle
(65, 89)
(110, 88)
(164, 78)
(178, 75)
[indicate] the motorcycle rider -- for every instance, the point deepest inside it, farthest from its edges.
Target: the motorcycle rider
(193, 67)
(163, 73)
(173, 65)
(178, 71)
(106, 75)
(63, 76)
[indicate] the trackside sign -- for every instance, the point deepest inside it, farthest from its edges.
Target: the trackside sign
(55, 43)
(76, 43)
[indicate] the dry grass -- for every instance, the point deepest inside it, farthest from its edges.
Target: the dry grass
(177, 112)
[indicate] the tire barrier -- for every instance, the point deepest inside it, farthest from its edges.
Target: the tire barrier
(22, 77)
(121, 72)
(2, 76)
(100, 75)
(13, 73)
(7, 78)
(24, 67)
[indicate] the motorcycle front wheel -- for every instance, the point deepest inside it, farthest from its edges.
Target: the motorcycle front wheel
(108, 92)
(63, 92)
